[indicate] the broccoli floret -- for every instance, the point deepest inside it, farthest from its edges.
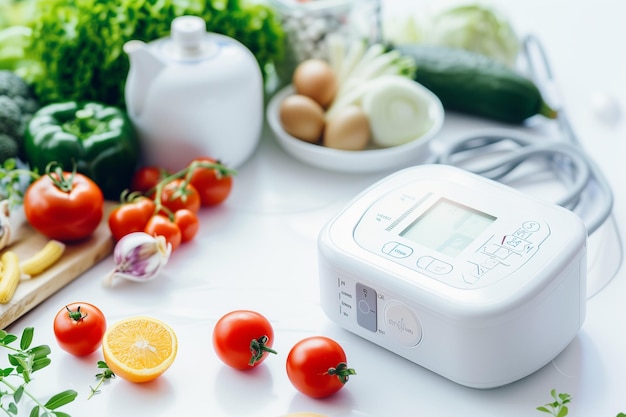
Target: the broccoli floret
(8, 147)
(17, 106)
(27, 105)
(10, 117)
(12, 85)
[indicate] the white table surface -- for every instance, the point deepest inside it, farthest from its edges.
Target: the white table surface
(258, 251)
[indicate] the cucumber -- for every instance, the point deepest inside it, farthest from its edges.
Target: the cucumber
(475, 84)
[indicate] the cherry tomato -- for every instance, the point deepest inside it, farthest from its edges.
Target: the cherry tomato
(130, 217)
(176, 196)
(160, 225)
(317, 366)
(213, 190)
(188, 223)
(146, 178)
(64, 215)
(79, 328)
(243, 339)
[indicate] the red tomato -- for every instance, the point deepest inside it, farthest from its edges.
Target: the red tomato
(242, 339)
(176, 196)
(64, 215)
(317, 367)
(160, 225)
(146, 178)
(131, 217)
(79, 328)
(213, 190)
(188, 223)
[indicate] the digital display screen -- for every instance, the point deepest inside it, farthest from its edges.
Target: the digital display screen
(447, 227)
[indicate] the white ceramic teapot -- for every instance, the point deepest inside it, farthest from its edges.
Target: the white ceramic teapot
(194, 94)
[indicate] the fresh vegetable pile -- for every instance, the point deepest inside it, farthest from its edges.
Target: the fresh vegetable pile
(151, 221)
(73, 49)
(82, 149)
(166, 204)
(363, 96)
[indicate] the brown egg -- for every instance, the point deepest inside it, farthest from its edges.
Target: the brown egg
(316, 79)
(302, 117)
(349, 129)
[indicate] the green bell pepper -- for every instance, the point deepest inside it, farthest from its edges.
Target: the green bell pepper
(98, 138)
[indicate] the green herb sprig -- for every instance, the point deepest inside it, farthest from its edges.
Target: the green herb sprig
(24, 361)
(14, 180)
(558, 407)
(107, 373)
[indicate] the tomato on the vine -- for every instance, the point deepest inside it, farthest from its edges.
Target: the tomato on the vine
(317, 366)
(131, 217)
(188, 223)
(176, 195)
(243, 339)
(66, 206)
(147, 177)
(161, 225)
(212, 187)
(79, 328)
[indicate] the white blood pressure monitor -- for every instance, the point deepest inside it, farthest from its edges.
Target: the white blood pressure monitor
(460, 274)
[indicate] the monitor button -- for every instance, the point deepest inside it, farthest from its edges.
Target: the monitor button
(401, 324)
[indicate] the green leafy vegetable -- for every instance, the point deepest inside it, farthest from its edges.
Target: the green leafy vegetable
(477, 28)
(76, 49)
(13, 41)
(26, 360)
(468, 25)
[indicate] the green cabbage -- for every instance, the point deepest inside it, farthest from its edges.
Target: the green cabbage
(477, 28)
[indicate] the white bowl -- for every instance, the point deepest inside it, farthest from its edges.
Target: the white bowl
(367, 160)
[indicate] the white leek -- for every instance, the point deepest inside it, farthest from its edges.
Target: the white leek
(364, 64)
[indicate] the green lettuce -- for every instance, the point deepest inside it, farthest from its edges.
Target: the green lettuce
(75, 52)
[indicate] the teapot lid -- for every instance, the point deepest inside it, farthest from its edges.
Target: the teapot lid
(188, 40)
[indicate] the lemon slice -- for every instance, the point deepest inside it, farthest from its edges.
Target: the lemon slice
(139, 349)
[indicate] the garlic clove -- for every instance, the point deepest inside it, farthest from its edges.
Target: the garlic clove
(139, 257)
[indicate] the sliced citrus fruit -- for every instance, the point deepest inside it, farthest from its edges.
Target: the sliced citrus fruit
(139, 349)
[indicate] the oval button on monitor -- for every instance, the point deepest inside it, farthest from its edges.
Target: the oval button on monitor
(401, 324)
(364, 307)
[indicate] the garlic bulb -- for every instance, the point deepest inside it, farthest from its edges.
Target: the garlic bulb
(5, 224)
(12, 223)
(139, 257)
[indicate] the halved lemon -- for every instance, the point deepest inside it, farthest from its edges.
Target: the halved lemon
(139, 349)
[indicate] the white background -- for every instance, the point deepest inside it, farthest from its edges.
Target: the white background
(258, 251)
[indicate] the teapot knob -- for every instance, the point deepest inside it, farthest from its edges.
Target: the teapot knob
(187, 32)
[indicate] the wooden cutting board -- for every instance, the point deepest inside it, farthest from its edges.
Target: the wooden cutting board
(77, 258)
